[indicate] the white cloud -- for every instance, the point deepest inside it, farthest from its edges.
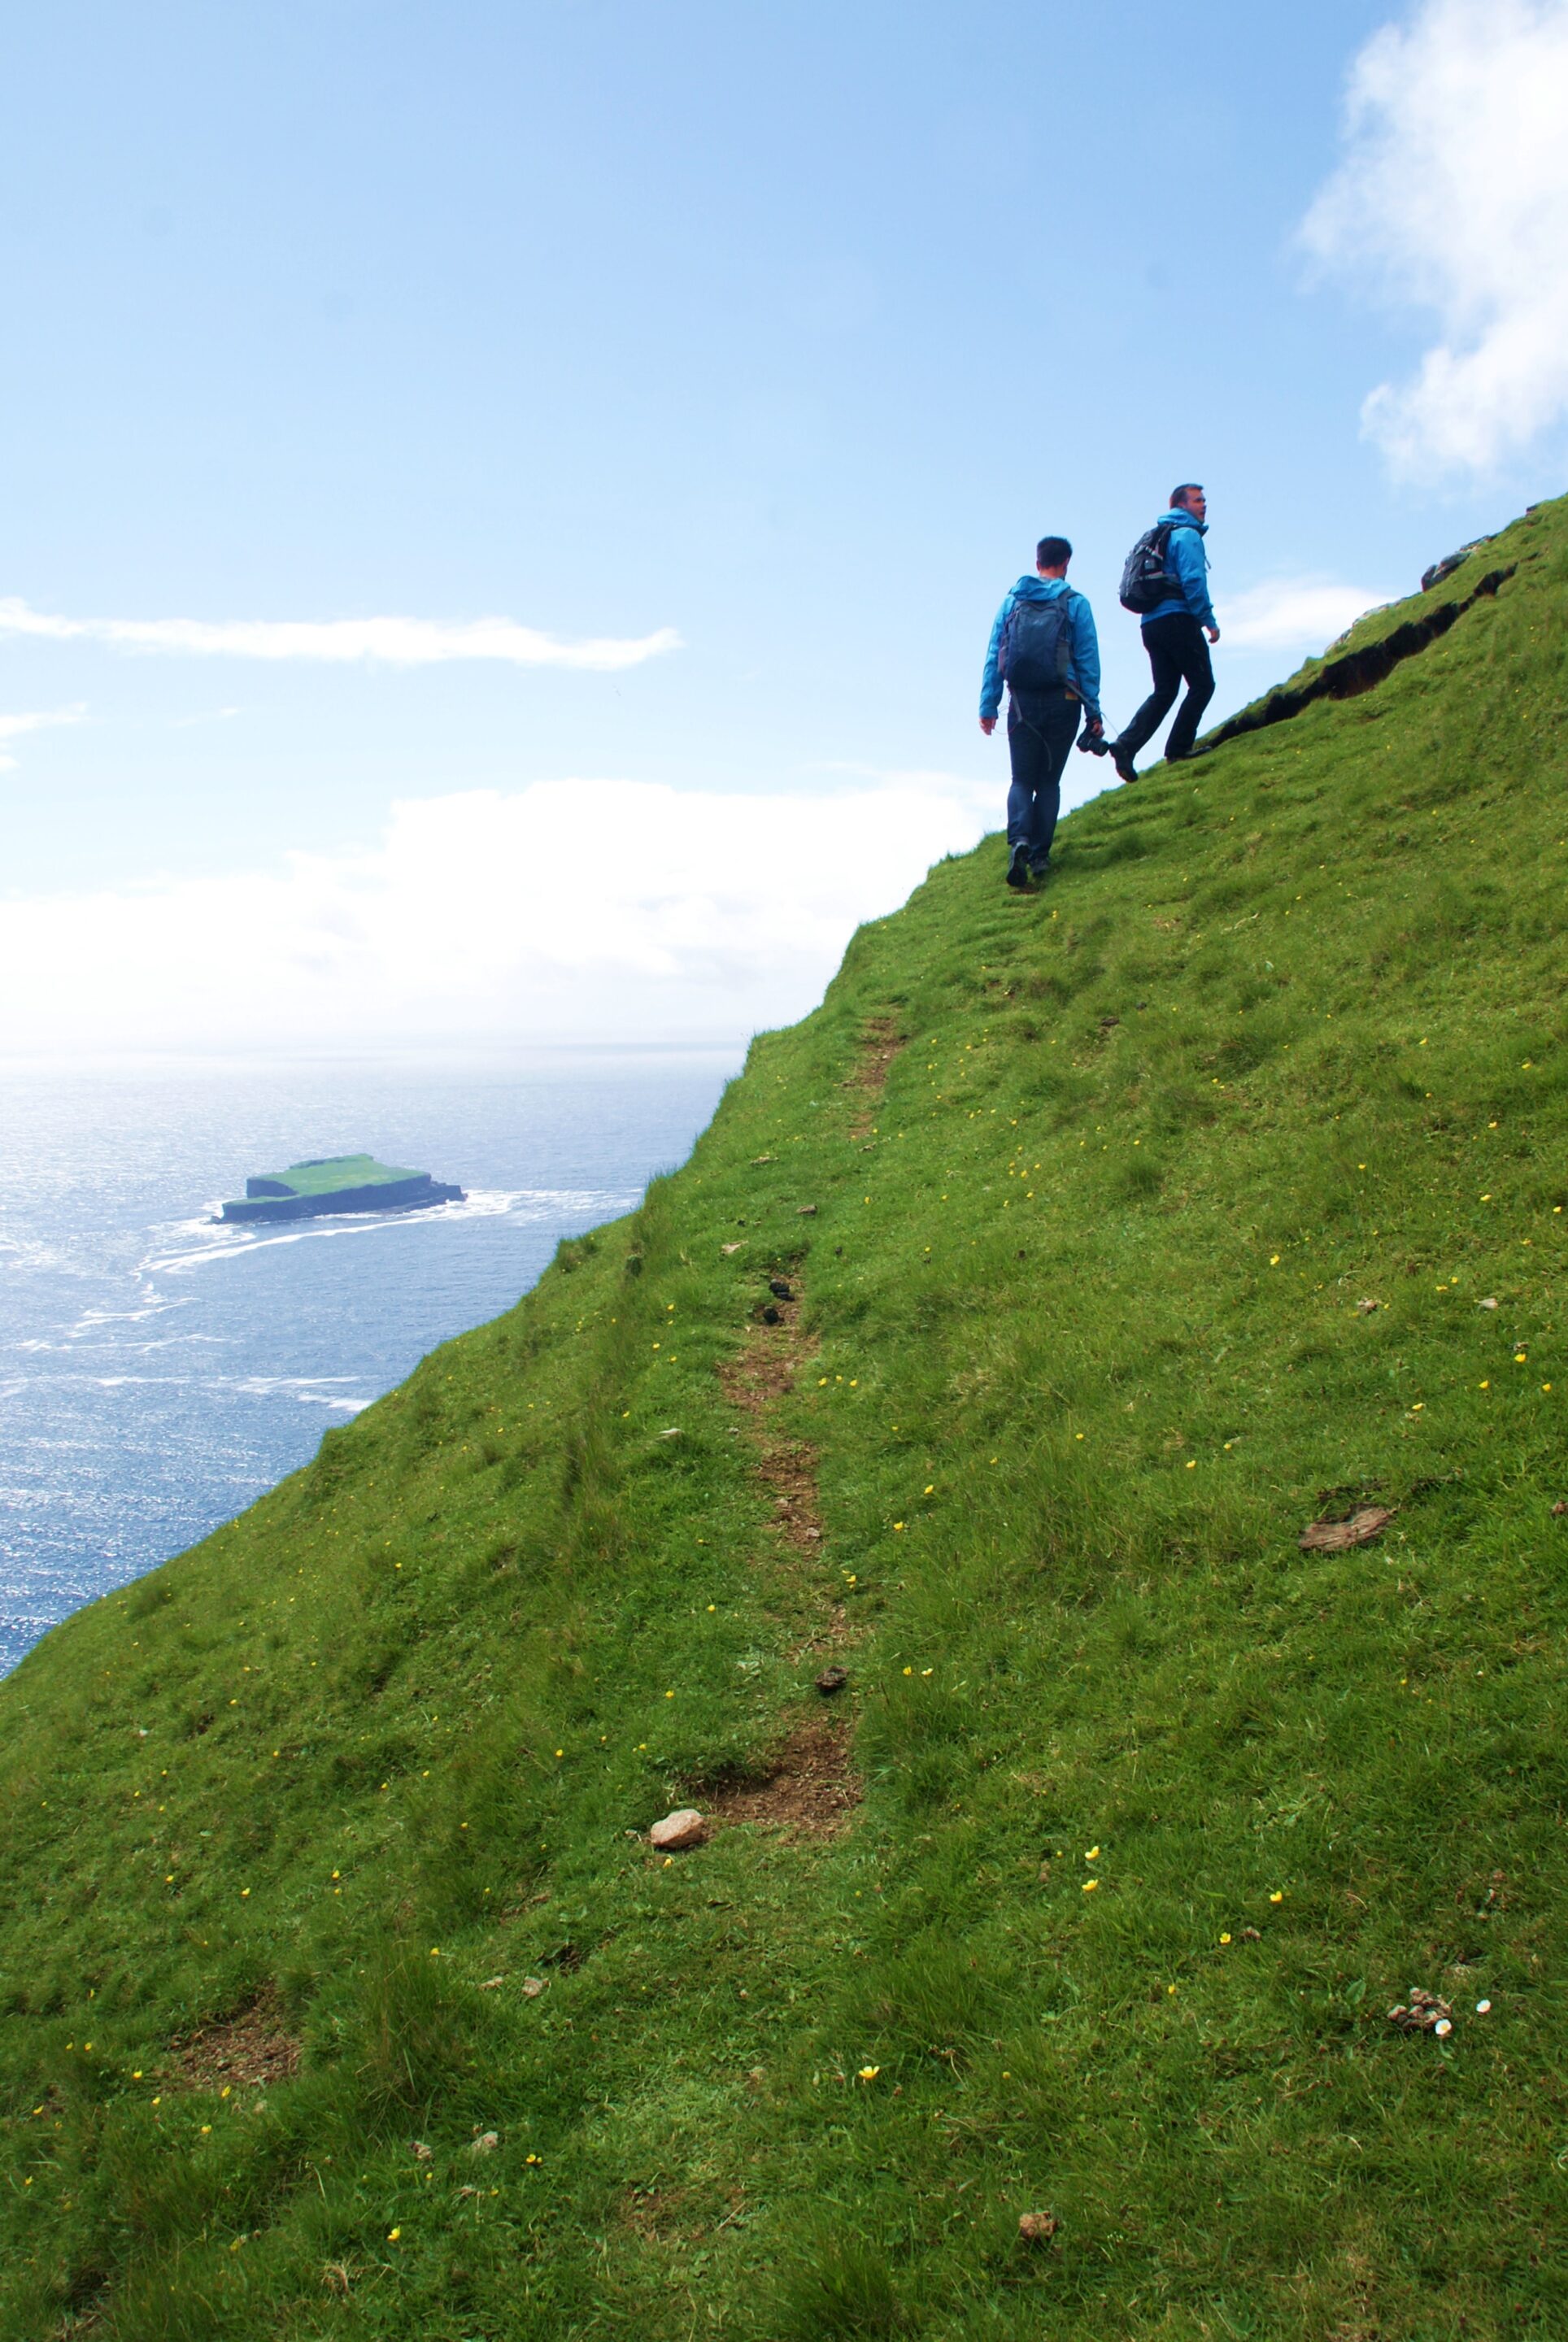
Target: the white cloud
(1454, 197)
(1286, 614)
(396, 642)
(40, 720)
(591, 908)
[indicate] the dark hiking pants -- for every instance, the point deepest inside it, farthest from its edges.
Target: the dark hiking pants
(1178, 655)
(1042, 726)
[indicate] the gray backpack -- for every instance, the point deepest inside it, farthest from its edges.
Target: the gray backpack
(1037, 644)
(1145, 580)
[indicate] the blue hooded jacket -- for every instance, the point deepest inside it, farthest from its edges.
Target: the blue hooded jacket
(1083, 643)
(1185, 560)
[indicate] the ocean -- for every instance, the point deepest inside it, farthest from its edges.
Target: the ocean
(158, 1371)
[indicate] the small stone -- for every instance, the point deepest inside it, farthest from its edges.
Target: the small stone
(758, 1160)
(1036, 2227)
(1559, 1509)
(1489, 1303)
(487, 2143)
(728, 1248)
(678, 1831)
(492, 1984)
(1336, 1536)
(805, 1211)
(421, 2151)
(770, 1316)
(833, 1679)
(533, 1987)
(780, 1289)
(1365, 1308)
(1425, 2014)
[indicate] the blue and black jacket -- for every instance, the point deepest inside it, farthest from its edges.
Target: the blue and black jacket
(1083, 643)
(1186, 561)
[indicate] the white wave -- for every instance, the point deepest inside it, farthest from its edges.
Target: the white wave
(309, 1390)
(114, 1382)
(96, 1321)
(221, 1241)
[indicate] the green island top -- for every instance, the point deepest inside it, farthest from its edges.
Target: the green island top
(337, 1182)
(326, 1174)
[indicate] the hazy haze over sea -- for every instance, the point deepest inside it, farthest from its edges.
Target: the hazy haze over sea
(157, 1372)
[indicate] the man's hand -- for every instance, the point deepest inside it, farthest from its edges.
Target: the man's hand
(1212, 633)
(988, 724)
(1095, 727)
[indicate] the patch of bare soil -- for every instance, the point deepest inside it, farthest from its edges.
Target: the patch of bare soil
(808, 1791)
(666, 2216)
(765, 1372)
(250, 2048)
(879, 1044)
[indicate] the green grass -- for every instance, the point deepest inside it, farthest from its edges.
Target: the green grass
(1284, 1034)
(325, 1178)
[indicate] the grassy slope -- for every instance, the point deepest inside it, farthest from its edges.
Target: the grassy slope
(1089, 1353)
(340, 1171)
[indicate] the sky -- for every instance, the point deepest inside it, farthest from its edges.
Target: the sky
(502, 504)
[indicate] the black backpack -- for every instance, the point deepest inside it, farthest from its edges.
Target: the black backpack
(1037, 645)
(1145, 580)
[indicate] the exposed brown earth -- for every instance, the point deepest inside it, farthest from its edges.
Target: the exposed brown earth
(810, 1790)
(880, 1044)
(765, 1372)
(250, 2049)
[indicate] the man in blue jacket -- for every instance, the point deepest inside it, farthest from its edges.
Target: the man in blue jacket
(1043, 647)
(1174, 633)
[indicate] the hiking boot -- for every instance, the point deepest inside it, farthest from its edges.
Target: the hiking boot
(1018, 867)
(1126, 770)
(1040, 870)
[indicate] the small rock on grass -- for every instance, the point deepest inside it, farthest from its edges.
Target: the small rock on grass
(805, 1211)
(421, 2152)
(487, 2143)
(533, 1987)
(1335, 1537)
(678, 1831)
(833, 1679)
(1424, 2014)
(1036, 2227)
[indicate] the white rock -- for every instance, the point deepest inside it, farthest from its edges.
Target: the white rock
(684, 1828)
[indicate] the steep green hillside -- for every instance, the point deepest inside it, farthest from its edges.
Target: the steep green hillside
(1217, 1189)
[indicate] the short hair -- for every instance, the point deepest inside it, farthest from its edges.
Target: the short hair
(1188, 488)
(1051, 552)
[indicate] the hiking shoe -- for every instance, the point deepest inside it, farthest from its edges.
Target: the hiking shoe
(1018, 867)
(1038, 870)
(1126, 770)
